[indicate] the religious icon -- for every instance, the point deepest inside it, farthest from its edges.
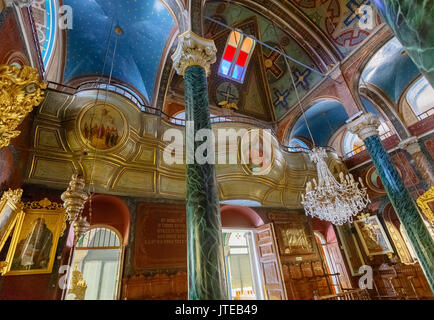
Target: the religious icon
(257, 152)
(33, 252)
(35, 238)
(294, 239)
(372, 236)
(10, 208)
(102, 126)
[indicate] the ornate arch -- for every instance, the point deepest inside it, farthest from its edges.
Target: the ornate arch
(291, 20)
(382, 37)
(240, 217)
(296, 113)
(386, 107)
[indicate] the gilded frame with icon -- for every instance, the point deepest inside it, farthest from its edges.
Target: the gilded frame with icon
(373, 236)
(35, 238)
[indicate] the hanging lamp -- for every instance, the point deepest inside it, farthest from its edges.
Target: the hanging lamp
(328, 199)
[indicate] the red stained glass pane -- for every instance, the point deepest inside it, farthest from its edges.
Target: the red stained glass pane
(229, 53)
(242, 58)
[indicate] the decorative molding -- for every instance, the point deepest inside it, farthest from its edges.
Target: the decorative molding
(193, 50)
(20, 91)
(423, 202)
(365, 126)
(13, 196)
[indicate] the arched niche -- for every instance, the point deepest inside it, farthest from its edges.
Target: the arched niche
(325, 228)
(239, 217)
(109, 210)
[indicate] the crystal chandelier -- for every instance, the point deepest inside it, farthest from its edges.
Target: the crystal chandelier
(330, 200)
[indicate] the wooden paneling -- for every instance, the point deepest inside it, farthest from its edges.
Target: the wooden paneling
(161, 286)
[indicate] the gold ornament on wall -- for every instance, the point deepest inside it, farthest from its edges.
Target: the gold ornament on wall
(426, 203)
(78, 285)
(20, 91)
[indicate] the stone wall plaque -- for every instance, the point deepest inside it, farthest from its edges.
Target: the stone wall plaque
(161, 238)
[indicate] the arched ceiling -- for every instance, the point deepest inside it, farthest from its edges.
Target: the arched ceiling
(267, 92)
(340, 20)
(145, 24)
(391, 70)
(324, 118)
(370, 107)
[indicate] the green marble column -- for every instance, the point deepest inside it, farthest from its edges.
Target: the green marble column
(412, 22)
(206, 273)
(367, 128)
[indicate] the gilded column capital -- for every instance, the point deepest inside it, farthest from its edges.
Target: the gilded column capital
(411, 145)
(20, 91)
(20, 3)
(193, 50)
(365, 126)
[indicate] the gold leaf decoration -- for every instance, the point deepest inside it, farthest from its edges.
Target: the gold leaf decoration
(20, 91)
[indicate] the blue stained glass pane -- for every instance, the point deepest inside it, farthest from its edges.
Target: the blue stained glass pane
(224, 67)
(238, 72)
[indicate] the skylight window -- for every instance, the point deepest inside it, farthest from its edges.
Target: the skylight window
(236, 56)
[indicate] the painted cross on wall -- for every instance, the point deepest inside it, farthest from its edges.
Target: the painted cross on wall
(227, 92)
(300, 78)
(271, 65)
(281, 98)
(356, 10)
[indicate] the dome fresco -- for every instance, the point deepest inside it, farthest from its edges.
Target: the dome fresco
(323, 119)
(391, 70)
(145, 26)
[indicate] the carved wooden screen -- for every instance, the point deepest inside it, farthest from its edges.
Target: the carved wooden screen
(269, 263)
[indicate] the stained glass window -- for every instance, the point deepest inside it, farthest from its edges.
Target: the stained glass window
(236, 56)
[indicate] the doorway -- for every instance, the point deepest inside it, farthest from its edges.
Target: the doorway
(243, 276)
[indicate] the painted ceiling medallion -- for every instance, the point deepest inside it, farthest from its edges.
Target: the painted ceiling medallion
(102, 127)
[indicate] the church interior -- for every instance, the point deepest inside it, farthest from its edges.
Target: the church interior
(330, 198)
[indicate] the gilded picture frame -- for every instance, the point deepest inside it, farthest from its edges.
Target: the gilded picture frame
(35, 238)
(10, 207)
(372, 236)
(294, 239)
(351, 249)
(426, 204)
(247, 159)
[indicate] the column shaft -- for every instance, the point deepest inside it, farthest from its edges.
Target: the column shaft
(404, 205)
(412, 21)
(206, 273)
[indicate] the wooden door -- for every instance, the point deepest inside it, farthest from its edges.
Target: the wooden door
(269, 262)
(338, 264)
